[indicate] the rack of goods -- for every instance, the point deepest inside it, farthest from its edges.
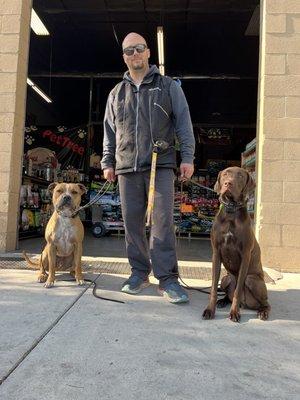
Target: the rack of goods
(106, 215)
(35, 207)
(248, 160)
(195, 208)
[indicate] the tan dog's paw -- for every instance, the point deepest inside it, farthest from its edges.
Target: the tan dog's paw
(49, 283)
(42, 278)
(80, 282)
(208, 314)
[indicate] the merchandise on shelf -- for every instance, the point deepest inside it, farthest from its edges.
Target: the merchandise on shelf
(110, 204)
(195, 208)
(36, 209)
(41, 163)
(248, 159)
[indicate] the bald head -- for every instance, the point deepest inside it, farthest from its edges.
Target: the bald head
(132, 39)
(136, 55)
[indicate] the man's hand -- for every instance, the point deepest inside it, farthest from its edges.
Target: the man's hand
(186, 171)
(109, 174)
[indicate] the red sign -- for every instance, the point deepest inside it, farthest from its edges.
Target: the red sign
(63, 141)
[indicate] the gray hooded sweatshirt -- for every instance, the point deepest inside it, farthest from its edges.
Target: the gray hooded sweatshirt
(136, 117)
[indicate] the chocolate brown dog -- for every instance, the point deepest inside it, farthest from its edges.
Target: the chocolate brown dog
(64, 235)
(235, 245)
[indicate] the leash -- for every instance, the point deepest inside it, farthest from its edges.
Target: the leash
(94, 282)
(98, 196)
(202, 186)
(151, 193)
(202, 289)
(158, 146)
(207, 289)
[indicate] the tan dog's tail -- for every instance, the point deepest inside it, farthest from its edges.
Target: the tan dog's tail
(35, 264)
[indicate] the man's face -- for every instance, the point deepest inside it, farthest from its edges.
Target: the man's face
(139, 59)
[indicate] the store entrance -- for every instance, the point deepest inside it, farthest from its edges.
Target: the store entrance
(211, 49)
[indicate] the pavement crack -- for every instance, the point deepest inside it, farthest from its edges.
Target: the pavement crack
(45, 333)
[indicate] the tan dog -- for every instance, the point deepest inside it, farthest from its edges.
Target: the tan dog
(234, 245)
(64, 235)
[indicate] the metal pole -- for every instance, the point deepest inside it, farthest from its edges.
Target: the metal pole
(89, 128)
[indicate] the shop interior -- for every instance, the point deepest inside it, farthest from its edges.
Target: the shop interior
(210, 47)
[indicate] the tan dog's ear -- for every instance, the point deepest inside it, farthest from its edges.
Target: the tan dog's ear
(217, 186)
(250, 185)
(82, 188)
(52, 186)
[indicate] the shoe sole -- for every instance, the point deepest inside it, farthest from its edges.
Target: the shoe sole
(136, 291)
(179, 300)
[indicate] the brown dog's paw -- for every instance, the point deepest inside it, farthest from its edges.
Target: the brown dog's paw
(234, 316)
(208, 314)
(42, 278)
(80, 282)
(263, 314)
(221, 303)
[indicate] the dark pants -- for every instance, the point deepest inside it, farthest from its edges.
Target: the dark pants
(161, 247)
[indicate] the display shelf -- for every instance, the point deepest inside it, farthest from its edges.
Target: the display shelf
(34, 179)
(30, 208)
(249, 163)
(32, 233)
(250, 147)
(34, 206)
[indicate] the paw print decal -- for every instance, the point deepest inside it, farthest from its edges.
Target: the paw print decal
(81, 133)
(29, 139)
(61, 128)
(31, 128)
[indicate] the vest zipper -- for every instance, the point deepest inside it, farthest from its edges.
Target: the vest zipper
(163, 110)
(136, 128)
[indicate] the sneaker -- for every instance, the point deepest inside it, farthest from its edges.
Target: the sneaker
(135, 284)
(174, 293)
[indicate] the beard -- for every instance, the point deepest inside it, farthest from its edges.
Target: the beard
(137, 65)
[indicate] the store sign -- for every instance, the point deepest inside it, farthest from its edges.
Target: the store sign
(63, 141)
(69, 144)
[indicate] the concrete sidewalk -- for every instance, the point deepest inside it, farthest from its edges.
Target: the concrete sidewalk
(74, 346)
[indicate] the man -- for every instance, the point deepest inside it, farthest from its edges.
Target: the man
(143, 108)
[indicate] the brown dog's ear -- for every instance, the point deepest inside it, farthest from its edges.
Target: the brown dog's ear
(250, 185)
(217, 186)
(51, 187)
(82, 188)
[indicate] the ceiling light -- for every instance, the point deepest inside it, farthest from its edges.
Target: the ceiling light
(37, 25)
(160, 44)
(162, 69)
(38, 90)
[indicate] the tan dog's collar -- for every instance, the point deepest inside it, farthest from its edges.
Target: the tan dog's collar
(73, 215)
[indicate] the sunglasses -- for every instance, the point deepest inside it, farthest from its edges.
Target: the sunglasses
(129, 51)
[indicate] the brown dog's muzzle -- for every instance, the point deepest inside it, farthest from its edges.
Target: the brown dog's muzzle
(229, 191)
(227, 186)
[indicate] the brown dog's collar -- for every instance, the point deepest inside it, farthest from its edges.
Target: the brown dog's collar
(231, 206)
